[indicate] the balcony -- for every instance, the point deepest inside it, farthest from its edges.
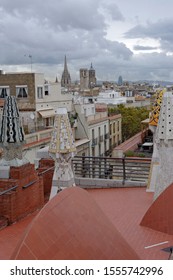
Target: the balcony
(93, 142)
(101, 138)
(107, 136)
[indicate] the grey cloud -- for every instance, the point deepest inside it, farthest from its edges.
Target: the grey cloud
(143, 48)
(50, 29)
(64, 14)
(27, 29)
(153, 66)
(111, 8)
(160, 30)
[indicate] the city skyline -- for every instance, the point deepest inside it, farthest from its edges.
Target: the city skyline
(128, 38)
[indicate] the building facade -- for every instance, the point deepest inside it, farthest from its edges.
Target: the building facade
(95, 126)
(115, 129)
(37, 100)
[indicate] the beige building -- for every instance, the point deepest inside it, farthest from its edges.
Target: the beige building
(37, 99)
(94, 126)
(115, 131)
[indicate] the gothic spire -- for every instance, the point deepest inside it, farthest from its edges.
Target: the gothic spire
(65, 64)
(66, 79)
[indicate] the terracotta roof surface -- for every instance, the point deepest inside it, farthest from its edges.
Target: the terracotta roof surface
(72, 226)
(125, 207)
(159, 215)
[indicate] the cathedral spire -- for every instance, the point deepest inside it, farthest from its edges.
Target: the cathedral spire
(66, 79)
(65, 64)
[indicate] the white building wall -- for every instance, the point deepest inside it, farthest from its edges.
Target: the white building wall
(55, 98)
(89, 120)
(111, 97)
(82, 127)
(101, 145)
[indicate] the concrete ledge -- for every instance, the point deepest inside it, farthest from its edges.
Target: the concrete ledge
(135, 184)
(4, 172)
(106, 183)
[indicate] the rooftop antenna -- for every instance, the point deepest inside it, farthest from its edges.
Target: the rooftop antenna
(30, 56)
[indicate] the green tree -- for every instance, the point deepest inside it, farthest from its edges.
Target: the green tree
(131, 119)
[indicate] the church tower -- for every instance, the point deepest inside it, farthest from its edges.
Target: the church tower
(92, 77)
(66, 79)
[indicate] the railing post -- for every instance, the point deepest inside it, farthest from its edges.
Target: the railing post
(124, 169)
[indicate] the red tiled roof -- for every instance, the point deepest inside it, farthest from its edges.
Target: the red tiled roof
(114, 117)
(159, 215)
(72, 226)
(125, 207)
(10, 236)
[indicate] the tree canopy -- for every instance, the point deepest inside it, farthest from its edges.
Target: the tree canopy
(131, 119)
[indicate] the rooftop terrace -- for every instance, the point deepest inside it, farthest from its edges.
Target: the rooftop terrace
(125, 208)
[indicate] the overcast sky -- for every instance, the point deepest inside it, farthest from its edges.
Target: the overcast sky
(132, 38)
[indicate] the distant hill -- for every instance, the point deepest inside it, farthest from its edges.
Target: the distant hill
(150, 82)
(162, 83)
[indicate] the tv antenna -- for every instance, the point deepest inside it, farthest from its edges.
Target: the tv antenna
(30, 56)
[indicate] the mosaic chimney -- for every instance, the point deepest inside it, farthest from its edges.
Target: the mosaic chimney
(164, 143)
(62, 149)
(11, 134)
(153, 123)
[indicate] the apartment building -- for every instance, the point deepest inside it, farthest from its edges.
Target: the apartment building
(115, 129)
(37, 99)
(95, 126)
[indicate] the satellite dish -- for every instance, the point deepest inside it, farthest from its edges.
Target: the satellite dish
(32, 117)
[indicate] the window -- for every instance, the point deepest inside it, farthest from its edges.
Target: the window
(21, 91)
(4, 91)
(92, 133)
(39, 92)
(118, 126)
(114, 127)
(46, 90)
(104, 129)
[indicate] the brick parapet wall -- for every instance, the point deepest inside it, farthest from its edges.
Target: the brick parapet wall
(46, 162)
(46, 170)
(26, 198)
(46, 174)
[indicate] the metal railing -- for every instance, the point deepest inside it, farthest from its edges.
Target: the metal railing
(133, 169)
(8, 190)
